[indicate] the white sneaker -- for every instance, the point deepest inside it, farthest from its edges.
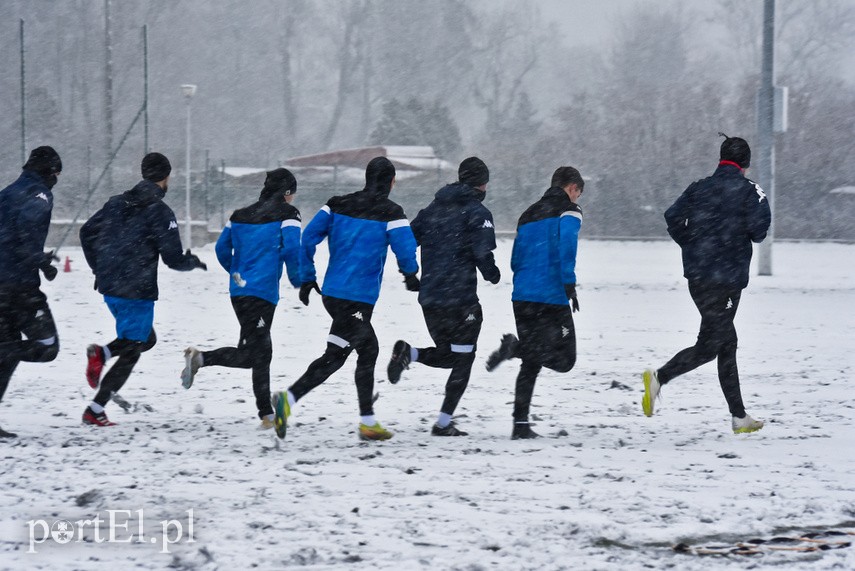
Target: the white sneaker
(745, 425)
(266, 423)
(651, 390)
(192, 362)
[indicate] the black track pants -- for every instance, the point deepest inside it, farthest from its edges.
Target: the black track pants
(716, 340)
(254, 349)
(547, 339)
(455, 332)
(128, 353)
(25, 313)
(350, 330)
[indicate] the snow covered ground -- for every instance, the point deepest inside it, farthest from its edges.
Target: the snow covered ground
(608, 488)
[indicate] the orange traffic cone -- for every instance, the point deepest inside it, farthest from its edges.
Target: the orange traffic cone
(67, 267)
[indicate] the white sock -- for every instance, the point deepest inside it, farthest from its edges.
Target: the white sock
(106, 351)
(291, 400)
(368, 420)
(96, 408)
(414, 354)
(443, 420)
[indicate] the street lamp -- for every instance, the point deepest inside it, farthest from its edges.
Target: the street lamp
(188, 91)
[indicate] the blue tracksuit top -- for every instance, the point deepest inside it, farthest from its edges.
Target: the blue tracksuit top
(359, 228)
(254, 244)
(25, 210)
(544, 255)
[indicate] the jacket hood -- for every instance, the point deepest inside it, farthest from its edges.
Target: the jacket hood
(144, 193)
(459, 192)
(556, 192)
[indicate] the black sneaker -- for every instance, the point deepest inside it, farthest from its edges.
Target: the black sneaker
(400, 360)
(4, 434)
(523, 431)
(507, 350)
(450, 430)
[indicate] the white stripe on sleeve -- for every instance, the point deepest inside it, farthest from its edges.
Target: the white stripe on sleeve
(291, 222)
(397, 224)
(573, 213)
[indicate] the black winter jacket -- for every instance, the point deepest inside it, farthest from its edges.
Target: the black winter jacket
(715, 221)
(123, 240)
(25, 210)
(456, 236)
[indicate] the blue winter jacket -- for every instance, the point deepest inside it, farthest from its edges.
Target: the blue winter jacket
(25, 210)
(123, 240)
(715, 221)
(359, 227)
(456, 236)
(254, 244)
(544, 255)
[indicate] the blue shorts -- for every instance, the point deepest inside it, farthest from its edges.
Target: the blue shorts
(134, 317)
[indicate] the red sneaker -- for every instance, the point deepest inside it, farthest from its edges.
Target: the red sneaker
(95, 365)
(96, 419)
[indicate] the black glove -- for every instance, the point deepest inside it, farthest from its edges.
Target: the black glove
(494, 276)
(411, 281)
(46, 265)
(197, 263)
(570, 290)
(306, 289)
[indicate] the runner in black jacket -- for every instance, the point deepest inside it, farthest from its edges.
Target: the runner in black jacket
(456, 236)
(715, 221)
(25, 211)
(122, 243)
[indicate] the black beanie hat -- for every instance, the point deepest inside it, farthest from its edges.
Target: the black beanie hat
(735, 150)
(155, 167)
(473, 172)
(44, 160)
(278, 182)
(379, 174)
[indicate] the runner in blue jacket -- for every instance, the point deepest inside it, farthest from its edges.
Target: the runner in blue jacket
(122, 243)
(457, 238)
(252, 247)
(715, 221)
(359, 228)
(25, 212)
(544, 265)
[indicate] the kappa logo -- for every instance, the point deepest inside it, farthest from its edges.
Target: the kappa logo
(564, 331)
(261, 323)
(358, 315)
(173, 225)
(760, 192)
(42, 195)
(729, 304)
(471, 317)
(487, 224)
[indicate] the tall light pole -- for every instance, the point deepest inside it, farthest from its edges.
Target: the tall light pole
(765, 131)
(188, 90)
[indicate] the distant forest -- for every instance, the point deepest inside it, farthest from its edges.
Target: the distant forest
(638, 114)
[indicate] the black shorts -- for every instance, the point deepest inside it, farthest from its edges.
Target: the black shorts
(547, 334)
(25, 312)
(457, 327)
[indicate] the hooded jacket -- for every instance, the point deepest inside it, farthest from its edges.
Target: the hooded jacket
(25, 211)
(456, 235)
(123, 240)
(359, 227)
(255, 243)
(715, 221)
(544, 255)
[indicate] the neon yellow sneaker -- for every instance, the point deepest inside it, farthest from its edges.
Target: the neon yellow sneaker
(745, 425)
(282, 411)
(651, 390)
(375, 432)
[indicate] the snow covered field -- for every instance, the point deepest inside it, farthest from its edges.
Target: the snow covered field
(608, 488)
